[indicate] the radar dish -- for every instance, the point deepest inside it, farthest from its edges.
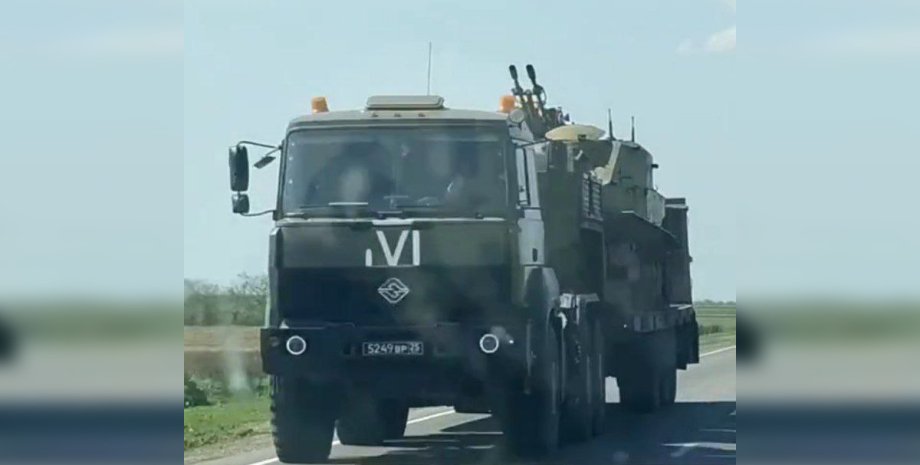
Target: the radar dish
(574, 133)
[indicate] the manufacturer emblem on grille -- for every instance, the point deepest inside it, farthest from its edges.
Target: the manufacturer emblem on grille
(393, 290)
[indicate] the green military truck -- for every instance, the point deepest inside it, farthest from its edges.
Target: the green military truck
(502, 262)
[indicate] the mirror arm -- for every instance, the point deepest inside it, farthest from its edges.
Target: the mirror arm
(257, 144)
(266, 159)
(257, 214)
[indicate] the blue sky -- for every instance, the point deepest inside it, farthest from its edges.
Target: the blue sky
(827, 123)
(796, 148)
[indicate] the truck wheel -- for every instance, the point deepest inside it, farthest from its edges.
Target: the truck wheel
(303, 419)
(599, 379)
(668, 387)
(668, 378)
(368, 422)
(531, 421)
(578, 405)
(640, 390)
(471, 406)
(396, 416)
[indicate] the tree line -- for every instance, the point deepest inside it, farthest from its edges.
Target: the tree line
(242, 302)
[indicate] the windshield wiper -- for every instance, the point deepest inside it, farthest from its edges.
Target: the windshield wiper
(347, 204)
(442, 210)
(344, 210)
(337, 209)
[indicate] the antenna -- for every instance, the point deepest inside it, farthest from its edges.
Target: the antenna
(428, 90)
(633, 119)
(610, 126)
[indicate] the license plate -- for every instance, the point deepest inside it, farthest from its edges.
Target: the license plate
(393, 348)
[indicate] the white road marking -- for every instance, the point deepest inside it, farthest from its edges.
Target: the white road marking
(687, 447)
(717, 351)
(683, 450)
(679, 453)
(266, 462)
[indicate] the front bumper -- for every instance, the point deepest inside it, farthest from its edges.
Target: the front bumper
(334, 352)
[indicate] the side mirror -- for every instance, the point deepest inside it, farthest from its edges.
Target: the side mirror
(240, 203)
(239, 171)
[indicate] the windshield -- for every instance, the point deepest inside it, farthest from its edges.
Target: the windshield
(446, 168)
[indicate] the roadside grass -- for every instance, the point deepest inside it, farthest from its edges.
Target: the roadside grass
(717, 326)
(224, 422)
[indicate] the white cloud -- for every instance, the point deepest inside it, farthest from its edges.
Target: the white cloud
(717, 43)
(686, 47)
(126, 43)
(722, 41)
(879, 43)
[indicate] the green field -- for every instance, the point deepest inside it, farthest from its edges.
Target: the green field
(720, 319)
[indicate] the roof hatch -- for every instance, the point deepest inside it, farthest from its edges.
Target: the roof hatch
(405, 102)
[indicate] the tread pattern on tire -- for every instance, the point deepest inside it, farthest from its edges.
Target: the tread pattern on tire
(578, 408)
(302, 421)
(531, 429)
(669, 387)
(369, 422)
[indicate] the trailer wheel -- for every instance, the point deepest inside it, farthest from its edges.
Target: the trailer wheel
(303, 419)
(578, 405)
(640, 390)
(668, 380)
(367, 421)
(668, 387)
(599, 379)
(531, 421)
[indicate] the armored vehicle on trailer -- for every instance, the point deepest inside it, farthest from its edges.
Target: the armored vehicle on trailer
(495, 261)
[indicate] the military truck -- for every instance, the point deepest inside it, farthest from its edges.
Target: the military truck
(504, 262)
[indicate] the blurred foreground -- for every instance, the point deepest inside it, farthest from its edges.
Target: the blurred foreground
(91, 382)
(829, 381)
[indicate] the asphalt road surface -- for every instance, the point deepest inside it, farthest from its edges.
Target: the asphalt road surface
(698, 429)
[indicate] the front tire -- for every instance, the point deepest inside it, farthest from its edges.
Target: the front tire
(303, 420)
(531, 421)
(368, 422)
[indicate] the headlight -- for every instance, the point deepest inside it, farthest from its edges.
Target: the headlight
(296, 345)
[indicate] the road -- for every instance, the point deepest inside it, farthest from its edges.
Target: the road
(698, 429)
